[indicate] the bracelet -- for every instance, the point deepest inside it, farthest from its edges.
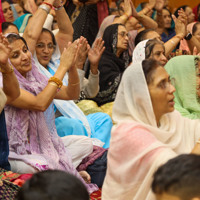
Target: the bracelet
(56, 80)
(45, 8)
(58, 7)
(198, 142)
(54, 84)
(48, 4)
(172, 41)
(74, 84)
(126, 15)
(5, 72)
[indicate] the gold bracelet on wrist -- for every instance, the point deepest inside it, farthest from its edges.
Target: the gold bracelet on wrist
(74, 84)
(5, 72)
(57, 81)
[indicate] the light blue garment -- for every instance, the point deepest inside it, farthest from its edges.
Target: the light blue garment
(73, 121)
(22, 21)
(14, 11)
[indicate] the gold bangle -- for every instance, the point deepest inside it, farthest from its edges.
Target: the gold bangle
(126, 15)
(198, 142)
(56, 80)
(74, 84)
(5, 72)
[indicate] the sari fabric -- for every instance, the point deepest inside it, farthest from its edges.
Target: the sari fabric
(184, 70)
(32, 134)
(110, 66)
(2, 19)
(138, 144)
(22, 21)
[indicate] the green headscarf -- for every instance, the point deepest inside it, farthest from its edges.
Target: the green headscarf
(184, 70)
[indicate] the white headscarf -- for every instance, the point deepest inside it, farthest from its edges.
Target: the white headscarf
(2, 100)
(138, 147)
(67, 108)
(139, 52)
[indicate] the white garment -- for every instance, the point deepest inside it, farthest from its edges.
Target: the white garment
(78, 146)
(130, 166)
(139, 52)
(3, 99)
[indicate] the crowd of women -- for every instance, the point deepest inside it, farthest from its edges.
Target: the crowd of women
(72, 69)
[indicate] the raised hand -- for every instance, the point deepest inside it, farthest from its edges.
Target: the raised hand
(134, 12)
(180, 27)
(127, 7)
(4, 53)
(159, 5)
(95, 53)
(83, 51)
(69, 55)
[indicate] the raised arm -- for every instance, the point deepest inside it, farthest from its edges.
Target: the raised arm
(42, 100)
(34, 27)
(65, 33)
(10, 83)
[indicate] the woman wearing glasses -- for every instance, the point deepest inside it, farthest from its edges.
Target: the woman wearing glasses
(148, 132)
(113, 62)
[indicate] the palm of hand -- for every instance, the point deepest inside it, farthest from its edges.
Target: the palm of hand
(94, 56)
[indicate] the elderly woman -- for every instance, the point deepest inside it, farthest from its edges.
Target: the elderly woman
(113, 62)
(149, 49)
(185, 70)
(148, 132)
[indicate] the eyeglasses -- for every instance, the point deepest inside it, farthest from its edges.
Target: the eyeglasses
(167, 84)
(123, 34)
(42, 46)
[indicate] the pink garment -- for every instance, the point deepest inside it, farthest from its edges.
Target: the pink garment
(32, 134)
(183, 43)
(102, 10)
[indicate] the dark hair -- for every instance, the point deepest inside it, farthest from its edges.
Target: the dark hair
(150, 46)
(5, 26)
(13, 37)
(142, 35)
(180, 177)
(53, 185)
(52, 35)
(149, 66)
(194, 29)
(2, 1)
(183, 7)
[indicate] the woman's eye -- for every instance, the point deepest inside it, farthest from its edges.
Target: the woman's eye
(15, 55)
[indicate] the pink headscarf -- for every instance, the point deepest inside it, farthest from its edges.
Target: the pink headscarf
(2, 19)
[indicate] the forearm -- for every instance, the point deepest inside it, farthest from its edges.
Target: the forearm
(73, 88)
(171, 44)
(193, 42)
(65, 33)
(121, 20)
(10, 86)
(147, 22)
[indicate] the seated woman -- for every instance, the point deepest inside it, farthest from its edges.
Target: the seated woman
(148, 132)
(149, 49)
(33, 140)
(46, 49)
(114, 61)
(185, 70)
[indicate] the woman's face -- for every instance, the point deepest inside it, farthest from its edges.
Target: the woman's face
(11, 29)
(166, 18)
(158, 53)
(197, 32)
(20, 57)
(44, 48)
(19, 10)
(190, 15)
(161, 91)
(7, 12)
(122, 41)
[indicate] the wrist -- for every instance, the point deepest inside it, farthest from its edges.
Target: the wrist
(179, 35)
